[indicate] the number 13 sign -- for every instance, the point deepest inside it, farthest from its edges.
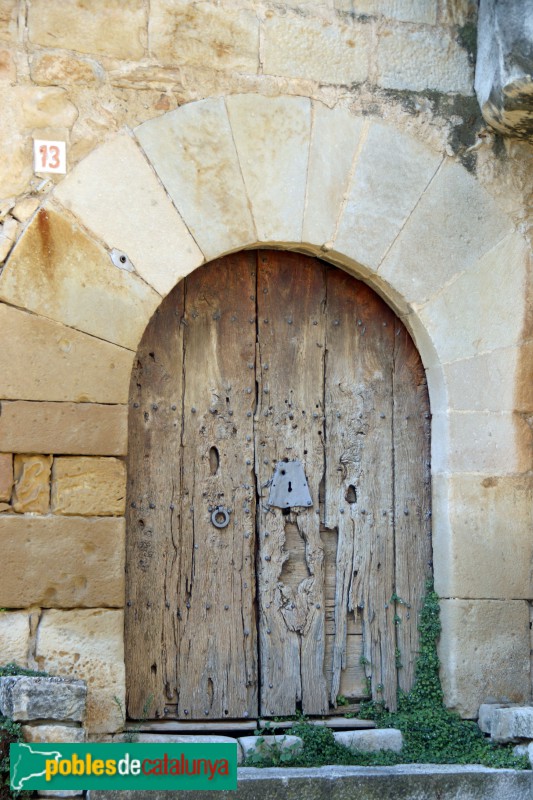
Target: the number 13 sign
(49, 156)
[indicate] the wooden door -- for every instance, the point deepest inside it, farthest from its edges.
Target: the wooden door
(256, 359)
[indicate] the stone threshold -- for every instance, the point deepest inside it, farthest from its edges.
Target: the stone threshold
(199, 727)
(403, 782)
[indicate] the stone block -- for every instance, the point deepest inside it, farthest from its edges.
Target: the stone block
(88, 644)
(272, 140)
(486, 711)
(195, 34)
(43, 734)
(173, 738)
(24, 698)
(525, 750)
(488, 522)
(16, 167)
(511, 724)
(8, 68)
(106, 27)
(6, 475)
(31, 491)
(141, 221)
(64, 428)
(494, 444)
(316, 49)
(484, 652)
(64, 69)
(8, 234)
(8, 19)
(443, 237)
(504, 66)
(14, 637)
(61, 562)
(59, 272)
(488, 381)
(371, 741)
(480, 310)
(422, 59)
(193, 152)
(25, 207)
(45, 107)
(424, 11)
(335, 138)
(43, 360)
(263, 745)
(89, 486)
(391, 173)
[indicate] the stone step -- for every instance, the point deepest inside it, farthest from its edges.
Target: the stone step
(404, 782)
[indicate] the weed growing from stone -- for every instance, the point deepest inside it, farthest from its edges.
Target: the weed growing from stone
(431, 733)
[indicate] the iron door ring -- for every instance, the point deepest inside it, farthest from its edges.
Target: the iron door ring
(220, 517)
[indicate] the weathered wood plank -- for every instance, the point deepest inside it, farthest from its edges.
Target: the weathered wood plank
(412, 496)
(152, 512)
(359, 479)
(290, 374)
(217, 660)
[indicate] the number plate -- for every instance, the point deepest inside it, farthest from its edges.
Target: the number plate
(49, 156)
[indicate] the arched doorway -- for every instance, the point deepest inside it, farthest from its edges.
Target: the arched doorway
(264, 374)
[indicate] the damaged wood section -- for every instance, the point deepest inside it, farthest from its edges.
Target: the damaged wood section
(290, 376)
(255, 360)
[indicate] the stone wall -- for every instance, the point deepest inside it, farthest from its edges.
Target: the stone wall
(366, 111)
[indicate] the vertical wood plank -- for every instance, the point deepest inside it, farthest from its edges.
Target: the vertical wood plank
(152, 512)
(290, 296)
(217, 661)
(359, 475)
(412, 496)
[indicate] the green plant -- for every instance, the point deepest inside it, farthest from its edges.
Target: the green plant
(431, 733)
(131, 735)
(271, 753)
(12, 669)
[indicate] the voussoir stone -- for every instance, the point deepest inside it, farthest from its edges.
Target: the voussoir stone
(272, 139)
(512, 724)
(161, 248)
(371, 741)
(58, 271)
(193, 152)
(25, 698)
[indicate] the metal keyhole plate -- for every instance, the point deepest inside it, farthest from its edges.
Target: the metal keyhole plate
(220, 517)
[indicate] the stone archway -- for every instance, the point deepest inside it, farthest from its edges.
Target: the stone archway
(226, 174)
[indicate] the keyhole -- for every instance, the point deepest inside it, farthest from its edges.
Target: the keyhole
(290, 487)
(214, 460)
